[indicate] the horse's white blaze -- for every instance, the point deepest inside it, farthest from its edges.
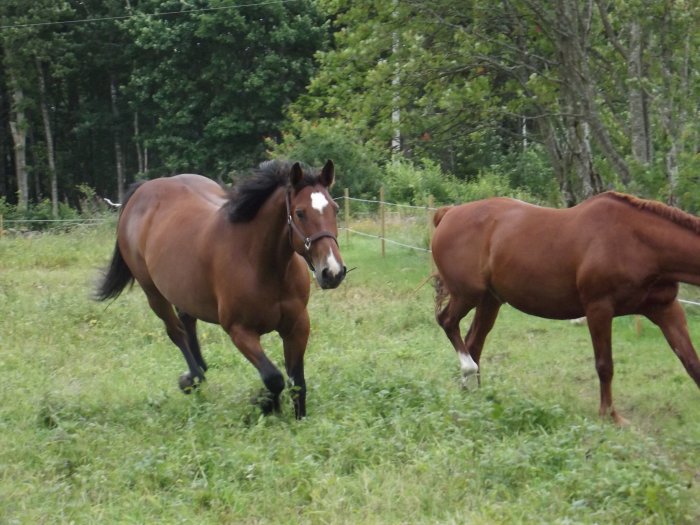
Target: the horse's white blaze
(468, 365)
(318, 201)
(332, 264)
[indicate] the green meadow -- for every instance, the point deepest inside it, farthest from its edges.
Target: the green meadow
(93, 427)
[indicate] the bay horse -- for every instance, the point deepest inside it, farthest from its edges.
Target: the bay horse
(235, 258)
(611, 255)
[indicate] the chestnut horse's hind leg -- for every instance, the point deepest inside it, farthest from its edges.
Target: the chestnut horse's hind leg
(449, 318)
(484, 319)
(600, 328)
(178, 334)
(190, 324)
(248, 342)
(671, 320)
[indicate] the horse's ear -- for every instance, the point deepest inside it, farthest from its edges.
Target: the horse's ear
(327, 174)
(296, 175)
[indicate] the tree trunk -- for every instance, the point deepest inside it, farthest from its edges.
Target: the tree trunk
(640, 138)
(573, 29)
(548, 130)
(18, 127)
(582, 158)
(137, 141)
(50, 154)
(119, 154)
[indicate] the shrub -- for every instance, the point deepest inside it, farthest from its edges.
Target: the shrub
(356, 165)
(407, 183)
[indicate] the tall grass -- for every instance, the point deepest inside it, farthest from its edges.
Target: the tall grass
(93, 428)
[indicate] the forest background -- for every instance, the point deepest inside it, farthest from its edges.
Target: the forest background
(554, 101)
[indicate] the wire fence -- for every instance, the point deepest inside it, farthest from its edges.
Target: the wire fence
(404, 225)
(32, 226)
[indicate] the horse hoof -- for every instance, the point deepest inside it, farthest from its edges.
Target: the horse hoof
(187, 384)
(470, 381)
(266, 402)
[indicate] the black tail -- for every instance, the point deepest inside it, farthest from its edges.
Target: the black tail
(118, 276)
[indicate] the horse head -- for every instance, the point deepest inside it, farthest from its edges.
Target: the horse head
(313, 229)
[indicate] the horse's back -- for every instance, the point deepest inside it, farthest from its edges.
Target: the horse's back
(520, 252)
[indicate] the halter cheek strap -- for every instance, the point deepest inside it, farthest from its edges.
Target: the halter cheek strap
(308, 239)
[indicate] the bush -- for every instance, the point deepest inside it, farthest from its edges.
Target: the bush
(356, 165)
(407, 183)
(38, 216)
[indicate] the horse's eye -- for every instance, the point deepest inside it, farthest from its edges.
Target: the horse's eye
(300, 214)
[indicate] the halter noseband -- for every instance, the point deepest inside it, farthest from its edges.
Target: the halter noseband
(308, 240)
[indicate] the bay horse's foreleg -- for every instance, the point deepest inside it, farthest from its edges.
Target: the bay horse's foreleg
(295, 341)
(190, 324)
(178, 334)
(600, 327)
(449, 318)
(484, 319)
(248, 342)
(671, 320)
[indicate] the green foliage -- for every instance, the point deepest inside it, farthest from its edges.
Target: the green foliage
(688, 190)
(38, 216)
(472, 80)
(410, 184)
(466, 83)
(195, 91)
(530, 172)
(223, 79)
(357, 166)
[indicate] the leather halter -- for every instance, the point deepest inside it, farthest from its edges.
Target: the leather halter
(308, 240)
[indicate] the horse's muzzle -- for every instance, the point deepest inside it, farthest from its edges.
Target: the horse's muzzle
(329, 280)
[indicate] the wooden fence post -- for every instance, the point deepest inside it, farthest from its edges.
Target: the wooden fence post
(381, 218)
(346, 193)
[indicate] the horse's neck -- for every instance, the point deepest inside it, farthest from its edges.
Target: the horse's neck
(270, 233)
(678, 252)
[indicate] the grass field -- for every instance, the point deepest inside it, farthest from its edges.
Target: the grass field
(93, 428)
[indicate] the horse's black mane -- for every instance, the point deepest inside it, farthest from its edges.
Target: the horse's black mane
(248, 195)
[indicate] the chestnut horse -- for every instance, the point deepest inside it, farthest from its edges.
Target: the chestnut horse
(611, 255)
(237, 259)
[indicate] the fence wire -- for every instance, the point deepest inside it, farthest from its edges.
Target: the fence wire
(405, 226)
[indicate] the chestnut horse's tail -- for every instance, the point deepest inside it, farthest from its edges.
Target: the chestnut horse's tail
(118, 275)
(441, 293)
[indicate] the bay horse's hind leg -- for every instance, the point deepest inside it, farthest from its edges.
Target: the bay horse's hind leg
(190, 324)
(671, 320)
(179, 336)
